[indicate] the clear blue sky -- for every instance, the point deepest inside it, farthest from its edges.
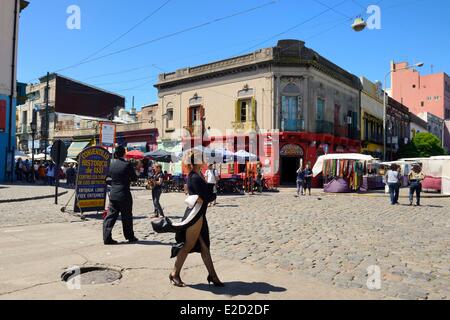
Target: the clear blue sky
(416, 30)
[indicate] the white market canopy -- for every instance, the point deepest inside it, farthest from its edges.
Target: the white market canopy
(318, 167)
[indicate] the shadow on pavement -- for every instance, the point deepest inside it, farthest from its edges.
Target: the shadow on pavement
(239, 288)
(146, 243)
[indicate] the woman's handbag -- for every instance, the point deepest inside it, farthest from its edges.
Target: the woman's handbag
(163, 225)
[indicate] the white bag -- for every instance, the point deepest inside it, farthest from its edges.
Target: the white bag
(191, 201)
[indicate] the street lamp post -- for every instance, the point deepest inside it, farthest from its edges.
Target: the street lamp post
(385, 102)
(33, 135)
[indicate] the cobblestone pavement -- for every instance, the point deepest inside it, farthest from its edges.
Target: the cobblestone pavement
(334, 238)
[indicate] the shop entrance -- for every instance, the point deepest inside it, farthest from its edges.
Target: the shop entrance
(289, 167)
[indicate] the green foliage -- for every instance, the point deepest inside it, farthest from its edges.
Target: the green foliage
(423, 145)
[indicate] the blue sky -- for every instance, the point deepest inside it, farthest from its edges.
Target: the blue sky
(412, 30)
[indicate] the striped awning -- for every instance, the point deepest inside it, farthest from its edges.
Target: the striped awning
(76, 147)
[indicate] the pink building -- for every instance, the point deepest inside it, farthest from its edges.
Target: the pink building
(422, 93)
(428, 93)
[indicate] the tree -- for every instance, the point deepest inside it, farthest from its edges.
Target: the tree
(423, 145)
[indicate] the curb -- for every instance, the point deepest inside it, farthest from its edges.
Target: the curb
(33, 198)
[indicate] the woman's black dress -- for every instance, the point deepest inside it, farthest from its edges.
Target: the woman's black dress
(196, 186)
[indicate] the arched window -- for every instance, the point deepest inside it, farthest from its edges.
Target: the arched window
(169, 116)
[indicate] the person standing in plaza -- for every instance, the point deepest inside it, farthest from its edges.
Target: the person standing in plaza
(122, 173)
(259, 177)
(307, 178)
(193, 235)
(158, 179)
(19, 169)
(51, 174)
(393, 181)
(300, 181)
(36, 171)
(212, 178)
(416, 176)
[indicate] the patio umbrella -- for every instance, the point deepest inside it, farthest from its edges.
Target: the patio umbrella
(227, 155)
(135, 154)
(21, 155)
(68, 160)
(41, 156)
(162, 156)
(243, 155)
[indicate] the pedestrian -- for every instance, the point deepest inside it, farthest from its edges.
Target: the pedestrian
(19, 169)
(259, 177)
(51, 174)
(193, 235)
(42, 172)
(36, 171)
(27, 170)
(307, 179)
(393, 180)
(212, 178)
(158, 180)
(122, 174)
(416, 176)
(71, 176)
(300, 181)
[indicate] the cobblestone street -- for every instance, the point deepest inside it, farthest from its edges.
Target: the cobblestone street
(333, 238)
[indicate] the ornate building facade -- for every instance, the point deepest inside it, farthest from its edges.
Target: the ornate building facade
(299, 104)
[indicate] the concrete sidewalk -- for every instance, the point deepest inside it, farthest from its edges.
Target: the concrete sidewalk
(32, 259)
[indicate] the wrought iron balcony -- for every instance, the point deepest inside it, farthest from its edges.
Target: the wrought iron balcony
(194, 130)
(293, 125)
(324, 127)
(244, 126)
(23, 130)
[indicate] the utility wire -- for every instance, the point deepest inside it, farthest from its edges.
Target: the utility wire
(333, 9)
(292, 28)
(128, 31)
(170, 35)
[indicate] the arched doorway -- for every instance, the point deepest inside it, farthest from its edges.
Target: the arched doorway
(291, 157)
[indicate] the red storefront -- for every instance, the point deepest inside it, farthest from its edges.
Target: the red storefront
(302, 148)
(293, 149)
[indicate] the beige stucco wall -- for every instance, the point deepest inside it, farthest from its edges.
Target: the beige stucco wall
(219, 97)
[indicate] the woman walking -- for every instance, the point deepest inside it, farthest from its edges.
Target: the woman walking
(393, 180)
(300, 181)
(415, 177)
(157, 191)
(193, 234)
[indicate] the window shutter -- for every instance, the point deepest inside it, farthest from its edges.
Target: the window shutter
(237, 114)
(253, 110)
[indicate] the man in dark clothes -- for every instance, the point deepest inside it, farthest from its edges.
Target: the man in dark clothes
(122, 174)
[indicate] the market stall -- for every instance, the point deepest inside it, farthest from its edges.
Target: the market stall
(437, 172)
(344, 172)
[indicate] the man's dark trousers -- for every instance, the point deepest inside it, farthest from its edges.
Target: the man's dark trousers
(125, 208)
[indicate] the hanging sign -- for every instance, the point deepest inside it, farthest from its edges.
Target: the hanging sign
(107, 134)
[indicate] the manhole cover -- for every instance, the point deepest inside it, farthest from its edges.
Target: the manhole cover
(92, 275)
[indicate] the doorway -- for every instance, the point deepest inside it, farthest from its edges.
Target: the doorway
(289, 167)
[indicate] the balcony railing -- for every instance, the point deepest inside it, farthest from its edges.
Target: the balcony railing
(64, 133)
(244, 126)
(325, 127)
(296, 125)
(194, 131)
(23, 129)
